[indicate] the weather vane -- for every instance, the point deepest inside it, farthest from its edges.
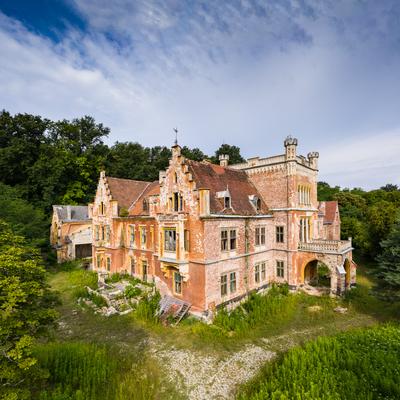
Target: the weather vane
(176, 136)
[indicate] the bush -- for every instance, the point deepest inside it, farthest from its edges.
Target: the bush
(98, 300)
(132, 291)
(363, 364)
(147, 308)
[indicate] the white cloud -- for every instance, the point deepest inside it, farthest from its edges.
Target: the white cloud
(244, 75)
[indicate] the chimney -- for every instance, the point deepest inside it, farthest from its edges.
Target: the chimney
(69, 212)
(223, 160)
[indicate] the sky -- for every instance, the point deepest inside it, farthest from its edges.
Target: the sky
(246, 72)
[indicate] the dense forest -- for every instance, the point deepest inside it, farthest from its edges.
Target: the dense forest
(44, 162)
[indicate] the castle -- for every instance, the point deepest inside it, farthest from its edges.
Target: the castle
(209, 234)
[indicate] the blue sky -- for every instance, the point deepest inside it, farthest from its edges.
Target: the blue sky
(244, 72)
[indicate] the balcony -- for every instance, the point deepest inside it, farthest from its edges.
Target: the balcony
(326, 246)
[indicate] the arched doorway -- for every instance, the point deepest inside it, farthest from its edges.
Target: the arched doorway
(347, 267)
(317, 274)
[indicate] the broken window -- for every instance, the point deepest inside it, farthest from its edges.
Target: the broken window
(143, 235)
(177, 283)
(98, 262)
(108, 264)
(170, 240)
(232, 282)
(131, 235)
(176, 201)
(280, 234)
(133, 266)
(280, 269)
(144, 270)
(224, 285)
(227, 202)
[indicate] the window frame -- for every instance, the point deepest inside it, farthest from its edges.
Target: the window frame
(257, 273)
(178, 283)
(280, 234)
(280, 269)
(143, 236)
(232, 282)
(165, 240)
(263, 271)
(224, 284)
(108, 263)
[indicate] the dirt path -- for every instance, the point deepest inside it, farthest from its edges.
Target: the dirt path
(211, 378)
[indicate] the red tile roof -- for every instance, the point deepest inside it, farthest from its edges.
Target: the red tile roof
(328, 210)
(137, 207)
(217, 179)
(126, 191)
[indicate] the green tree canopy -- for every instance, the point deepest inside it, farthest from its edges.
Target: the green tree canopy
(232, 151)
(25, 312)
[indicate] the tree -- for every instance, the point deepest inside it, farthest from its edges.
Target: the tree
(389, 260)
(22, 216)
(232, 151)
(326, 192)
(390, 188)
(25, 313)
(193, 154)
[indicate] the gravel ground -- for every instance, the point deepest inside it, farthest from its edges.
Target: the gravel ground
(207, 377)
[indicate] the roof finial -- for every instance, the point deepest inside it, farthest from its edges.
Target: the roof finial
(176, 136)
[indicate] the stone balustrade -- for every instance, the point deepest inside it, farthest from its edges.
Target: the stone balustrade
(326, 246)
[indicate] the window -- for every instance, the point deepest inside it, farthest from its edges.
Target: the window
(280, 269)
(279, 234)
(133, 269)
(101, 208)
(143, 235)
(186, 242)
(263, 271)
(108, 264)
(144, 270)
(170, 240)
(177, 283)
(175, 177)
(131, 235)
(224, 240)
(232, 282)
(224, 285)
(260, 235)
(98, 262)
(97, 232)
(304, 231)
(257, 273)
(103, 232)
(145, 205)
(258, 204)
(304, 195)
(227, 202)
(108, 233)
(232, 239)
(176, 201)
(228, 239)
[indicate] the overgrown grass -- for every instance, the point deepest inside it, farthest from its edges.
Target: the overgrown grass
(83, 371)
(360, 364)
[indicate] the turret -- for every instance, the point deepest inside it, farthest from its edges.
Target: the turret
(290, 146)
(313, 159)
(223, 160)
(176, 150)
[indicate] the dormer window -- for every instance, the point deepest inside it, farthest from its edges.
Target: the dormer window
(101, 208)
(227, 202)
(145, 205)
(258, 204)
(175, 177)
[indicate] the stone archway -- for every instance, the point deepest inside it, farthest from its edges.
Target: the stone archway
(318, 274)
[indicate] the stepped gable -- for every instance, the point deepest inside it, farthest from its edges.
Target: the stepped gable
(328, 209)
(126, 191)
(217, 178)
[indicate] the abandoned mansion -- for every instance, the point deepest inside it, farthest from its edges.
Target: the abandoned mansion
(210, 234)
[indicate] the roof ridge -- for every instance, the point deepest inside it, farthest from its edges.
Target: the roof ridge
(127, 179)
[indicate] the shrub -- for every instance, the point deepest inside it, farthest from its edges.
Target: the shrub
(147, 308)
(98, 300)
(132, 291)
(362, 364)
